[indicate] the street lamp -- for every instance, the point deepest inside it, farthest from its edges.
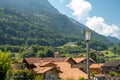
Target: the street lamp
(87, 34)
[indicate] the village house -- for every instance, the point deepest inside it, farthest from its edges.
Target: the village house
(111, 66)
(30, 61)
(82, 62)
(48, 70)
(96, 67)
(74, 68)
(105, 77)
(70, 73)
(106, 68)
(54, 68)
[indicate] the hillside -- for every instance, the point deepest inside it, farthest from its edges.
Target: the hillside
(114, 39)
(18, 29)
(37, 22)
(29, 6)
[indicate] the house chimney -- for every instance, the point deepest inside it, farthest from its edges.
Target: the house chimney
(41, 61)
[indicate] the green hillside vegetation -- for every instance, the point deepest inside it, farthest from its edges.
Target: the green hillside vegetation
(18, 28)
(38, 22)
(23, 25)
(115, 48)
(110, 55)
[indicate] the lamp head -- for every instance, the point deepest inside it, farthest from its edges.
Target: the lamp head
(87, 34)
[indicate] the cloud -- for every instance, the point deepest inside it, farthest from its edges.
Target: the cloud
(99, 25)
(81, 8)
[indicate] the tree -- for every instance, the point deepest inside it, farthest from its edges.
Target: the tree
(93, 56)
(5, 64)
(38, 77)
(49, 53)
(93, 74)
(40, 54)
(114, 74)
(20, 75)
(81, 78)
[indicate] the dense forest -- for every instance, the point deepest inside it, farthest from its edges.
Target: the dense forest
(19, 29)
(22, 24)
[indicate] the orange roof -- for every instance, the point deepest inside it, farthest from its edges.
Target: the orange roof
(63, 65)
(36, 64)
(39, 70)
(44, 64)
(73, 73)
(40, 60)
(68, 72)
(96, 65)
(50, 59)
(32, 60)
(78, 60)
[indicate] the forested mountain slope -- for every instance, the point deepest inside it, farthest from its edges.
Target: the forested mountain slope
(38, 22)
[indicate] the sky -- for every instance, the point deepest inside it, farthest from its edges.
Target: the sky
(102, 16)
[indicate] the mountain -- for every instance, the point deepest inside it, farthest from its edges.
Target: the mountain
(38, 22)
(114, 39)
(29, 6)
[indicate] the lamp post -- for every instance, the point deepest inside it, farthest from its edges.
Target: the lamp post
(87, 34)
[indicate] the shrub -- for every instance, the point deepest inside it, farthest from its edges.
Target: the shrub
(81, 78)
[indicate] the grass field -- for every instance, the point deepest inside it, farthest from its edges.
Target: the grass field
(110, 55)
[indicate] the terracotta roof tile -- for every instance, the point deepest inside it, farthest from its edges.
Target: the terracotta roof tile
(36, 64)
(78, 60)
(74, 73)
(40, 70)
(96, 65)
(48, 63)
(54, 59)
(44, 64)
(65, 67)
(69, 72)
(39, 60)
(32, 60)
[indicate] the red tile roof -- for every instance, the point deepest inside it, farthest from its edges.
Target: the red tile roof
(40, 70)
(69, 72)
(54, 59)
(41, 60)
(44, 64)
(96, 65)
(78, 60)
(32, 60)
(65, 67)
